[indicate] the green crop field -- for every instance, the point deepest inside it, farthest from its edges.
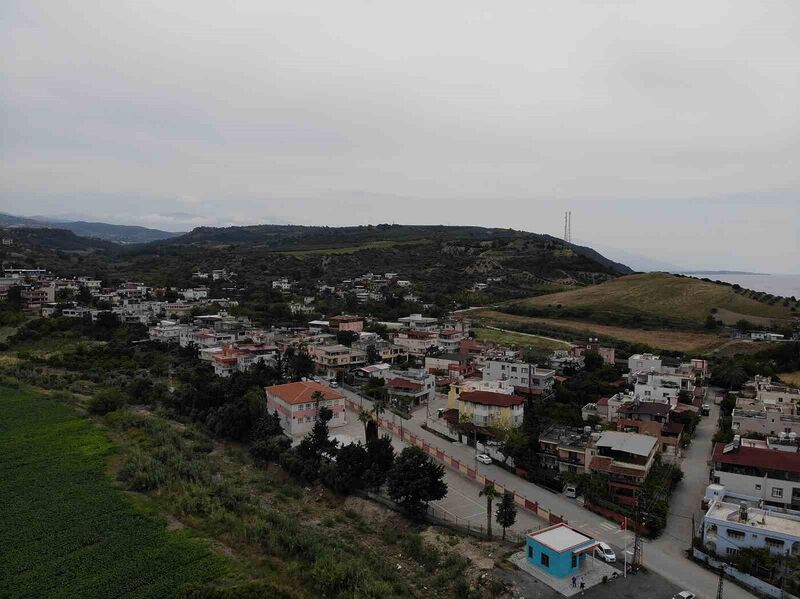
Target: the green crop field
(656, 296)
(65, 531)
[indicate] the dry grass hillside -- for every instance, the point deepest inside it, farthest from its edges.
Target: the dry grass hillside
(660, 296)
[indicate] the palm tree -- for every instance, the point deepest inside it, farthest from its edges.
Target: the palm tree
(364, 417)
(491, 494)
(378, 407)
(317, 397)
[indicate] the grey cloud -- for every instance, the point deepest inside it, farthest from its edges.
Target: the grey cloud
(321, 112)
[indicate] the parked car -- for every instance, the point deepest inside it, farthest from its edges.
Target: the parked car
(605, 553)
(334, 384)
(484, 459)
(571, 491)
(684, 595)
(705, 410)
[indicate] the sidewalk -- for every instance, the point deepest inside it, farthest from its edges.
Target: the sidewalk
(662, 555)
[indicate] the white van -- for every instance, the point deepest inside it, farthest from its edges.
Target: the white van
(571, 491)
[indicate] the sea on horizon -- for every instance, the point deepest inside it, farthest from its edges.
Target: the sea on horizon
(783, 285)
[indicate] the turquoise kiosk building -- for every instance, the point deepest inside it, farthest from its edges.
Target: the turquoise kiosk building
(559, 550)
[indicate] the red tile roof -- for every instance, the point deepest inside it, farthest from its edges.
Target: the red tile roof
(490, 398)
(758, 457)
(301, 392)
(398, 383)
(602, 401)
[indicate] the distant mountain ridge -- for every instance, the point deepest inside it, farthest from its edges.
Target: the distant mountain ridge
(301, 237)
(442, 261)
(123, 234)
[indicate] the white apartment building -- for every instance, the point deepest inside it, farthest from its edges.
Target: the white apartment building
(644, 362)
(198, 293)
(756, 470)
(166, 331)
(525, 378)
(418, 322)
(729, 527)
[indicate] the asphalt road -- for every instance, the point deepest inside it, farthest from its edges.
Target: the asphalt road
(665, 555)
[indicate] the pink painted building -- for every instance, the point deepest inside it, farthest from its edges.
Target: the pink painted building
(297, 407)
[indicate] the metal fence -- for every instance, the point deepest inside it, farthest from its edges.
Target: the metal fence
(440, 517)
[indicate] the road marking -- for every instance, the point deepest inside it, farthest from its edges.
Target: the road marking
(608, 526)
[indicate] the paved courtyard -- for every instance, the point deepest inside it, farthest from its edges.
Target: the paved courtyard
(591, 574)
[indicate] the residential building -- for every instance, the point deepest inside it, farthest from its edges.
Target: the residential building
(527, 379)
(766, 408)
(450, 340)
(490, 409)
(765, 336)
(346, 323)
(563, 448)
(418, 322)
(332, 359)
(371, 371)
(416, 343)
(660, 386)
(34, 297)
(411, 387)
(559, 550)
(453, 365)
(198, 293)
(282, 284)
(238, 358)
(459, 387)
(652, 418)
(644, 363)
(730, 527)
(607, 353)
(767, 471)
(564, 359)
(298, 308)
(298, 407)
(388, 352)
(166, 331)
(624, 459)
(205, 337)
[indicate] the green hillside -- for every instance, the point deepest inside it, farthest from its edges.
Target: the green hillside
(656, 298)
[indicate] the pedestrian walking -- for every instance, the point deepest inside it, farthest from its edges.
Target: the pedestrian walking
(583, 586)
(574, 582)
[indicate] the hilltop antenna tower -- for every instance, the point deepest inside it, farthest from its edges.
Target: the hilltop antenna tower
(568, 226)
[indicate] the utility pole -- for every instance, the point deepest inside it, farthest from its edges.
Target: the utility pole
(721, 580)
(636, 562)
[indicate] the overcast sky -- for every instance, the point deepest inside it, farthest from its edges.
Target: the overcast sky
(670, 129)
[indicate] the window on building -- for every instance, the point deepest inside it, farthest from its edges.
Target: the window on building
(734, 534)
(574, 560)
(773, 542)
(530, 551)
(545, 560)
(777, 492)
(731, 551)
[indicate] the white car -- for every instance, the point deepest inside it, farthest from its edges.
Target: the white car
(333, 384)
(683, 595)
(605, 553)
(484, 459)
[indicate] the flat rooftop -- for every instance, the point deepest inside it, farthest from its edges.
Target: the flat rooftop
(560, 538)
(765, 520)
